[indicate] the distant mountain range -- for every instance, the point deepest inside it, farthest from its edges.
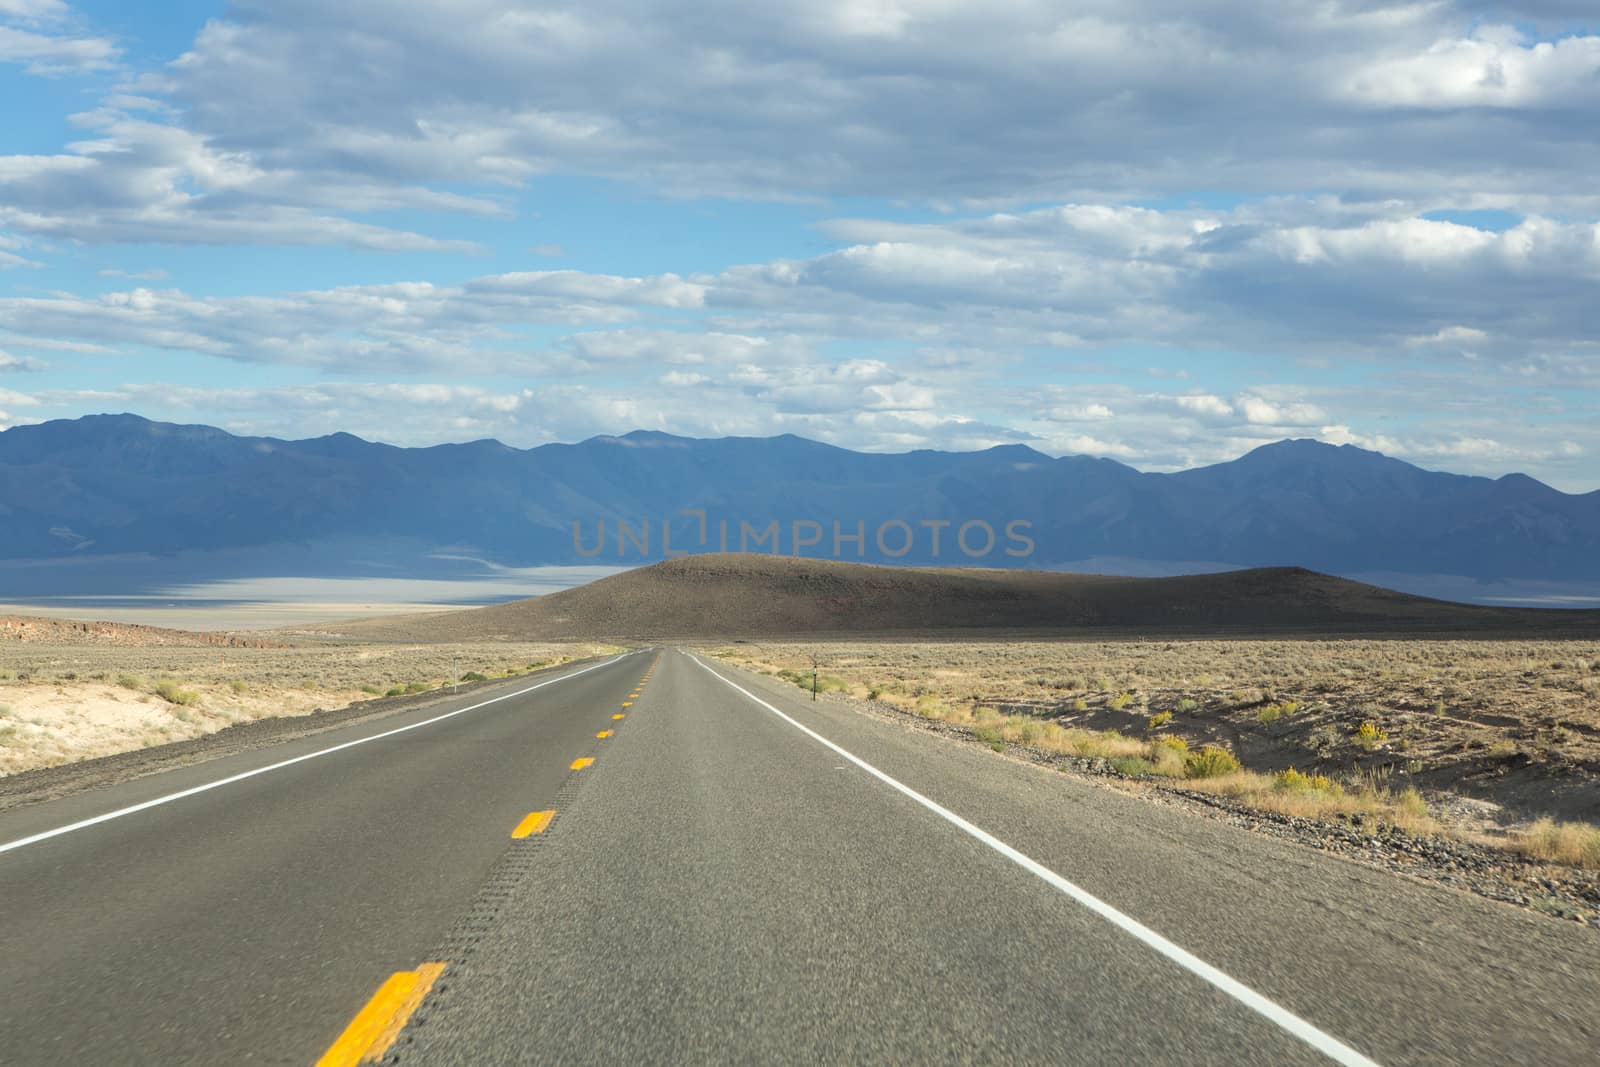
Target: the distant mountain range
(120, 484)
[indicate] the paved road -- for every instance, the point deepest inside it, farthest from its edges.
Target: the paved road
(247, 924)
(743, 876)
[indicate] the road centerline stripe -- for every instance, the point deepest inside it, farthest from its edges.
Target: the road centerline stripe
(1284, 1019)
(535, 822)
(581, 762)
(181, 794)
(377, 1025)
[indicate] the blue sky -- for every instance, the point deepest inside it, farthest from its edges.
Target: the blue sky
(1159, 231)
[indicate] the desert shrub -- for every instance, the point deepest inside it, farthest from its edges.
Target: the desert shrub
(474, 676)
(169, 690)
(1273, 712)
(1158, 720)
(1132, 766)
(1080, 705)
(7, 732)
(1120, 701)
(372, 690)
(1210, 762)
(1293, 781)
(238, 685)
(1369, 735)
(1410, 804)
(132, 681)
(1186, 705)
(396, 691)
(874, 693)
(418, 687)
(1172, 744)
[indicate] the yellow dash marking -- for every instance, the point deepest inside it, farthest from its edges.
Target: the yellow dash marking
(376, 1026)
(534, 823)
(627, 703)
(605, 733)
(580, 763)
(619, 715)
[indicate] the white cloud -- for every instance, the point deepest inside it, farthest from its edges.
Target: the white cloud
(152, 275)
(42, 36)
(1496, 66)
(9, 363)
(1204, 404)
(286, 122)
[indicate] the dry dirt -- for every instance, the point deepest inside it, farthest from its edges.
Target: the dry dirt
(68, 693)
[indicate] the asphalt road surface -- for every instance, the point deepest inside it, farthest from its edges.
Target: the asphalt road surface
(731, 874)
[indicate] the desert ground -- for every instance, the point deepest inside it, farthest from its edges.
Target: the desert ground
(73, 691)
(1487, 739)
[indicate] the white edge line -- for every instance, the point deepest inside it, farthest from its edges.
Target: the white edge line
(1324, 1043)
(46, 835)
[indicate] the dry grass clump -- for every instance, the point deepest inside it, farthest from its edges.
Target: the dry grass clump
(1320, 797)
(1573, 843)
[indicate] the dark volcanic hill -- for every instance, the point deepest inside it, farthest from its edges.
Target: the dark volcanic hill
(724, 596)
(119, 485)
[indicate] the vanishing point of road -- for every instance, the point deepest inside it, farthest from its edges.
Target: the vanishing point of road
(657, 858)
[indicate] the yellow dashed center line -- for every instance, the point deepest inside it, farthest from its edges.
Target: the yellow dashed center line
(376, 1026)
(619, 715)
(534, 823)
(605, 733)
(581, 762)
(627, 703)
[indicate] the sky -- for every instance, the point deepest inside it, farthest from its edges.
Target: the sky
(1160, 231)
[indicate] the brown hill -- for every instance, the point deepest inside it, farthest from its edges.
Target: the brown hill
(721, 596)
(39, 629)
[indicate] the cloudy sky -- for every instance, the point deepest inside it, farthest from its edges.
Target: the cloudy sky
(1156, 230)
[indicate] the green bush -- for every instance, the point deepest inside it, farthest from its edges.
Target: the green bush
(1273, 712)
(991, 737)
(1158, 720)
(396, 691)
(474, 676)
(1132, 766)
(1210, 762)
(132, 681)
(169, 690)
(418, 687)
